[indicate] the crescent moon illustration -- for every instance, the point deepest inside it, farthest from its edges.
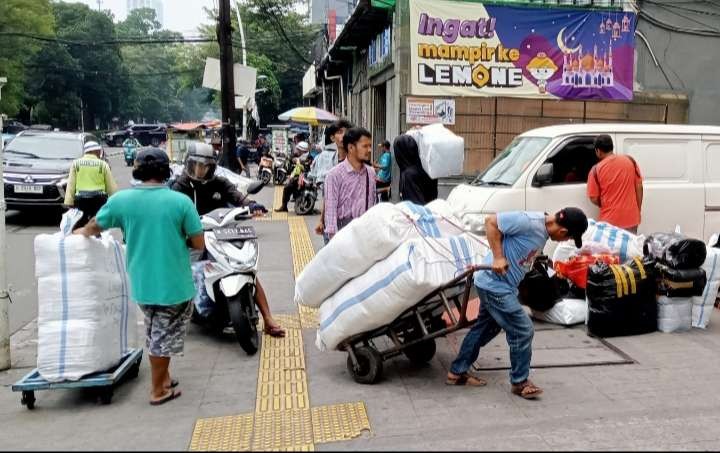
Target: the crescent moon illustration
(561, 43)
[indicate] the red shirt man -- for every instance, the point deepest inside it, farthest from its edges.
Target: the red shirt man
(615, 185)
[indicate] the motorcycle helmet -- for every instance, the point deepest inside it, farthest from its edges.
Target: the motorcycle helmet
(201, 162)
(302, 147)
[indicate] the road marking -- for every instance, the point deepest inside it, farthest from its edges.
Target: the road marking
(283, 418)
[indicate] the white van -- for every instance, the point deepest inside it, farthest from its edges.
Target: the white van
(546, 169)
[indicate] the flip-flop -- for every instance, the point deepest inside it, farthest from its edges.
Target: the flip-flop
(466, 379)
(173, 394)
(173, 383)
(276, 331)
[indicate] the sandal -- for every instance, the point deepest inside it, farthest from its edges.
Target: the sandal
(173, 383)
(274, 331)
(171, 396)
(466, 379)
(526, 390)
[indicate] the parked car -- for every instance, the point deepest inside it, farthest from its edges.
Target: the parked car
(6, 138)
(546, 169)
(37, 164)
(13, 127)
(147, 135)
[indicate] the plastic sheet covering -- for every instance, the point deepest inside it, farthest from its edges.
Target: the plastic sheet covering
(680, 282)
(202, 302)
(567, 312)
(621, 298)
(675, 250)
(442, 153)
(674, 314)
(576, 268)
(540, 290)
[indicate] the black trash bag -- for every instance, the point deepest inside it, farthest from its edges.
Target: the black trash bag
(621, 298)
(538, 290)
(675, 250)
(680, 282)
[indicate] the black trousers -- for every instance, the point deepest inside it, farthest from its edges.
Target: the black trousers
(385, 194)
(289, 190)
(89, 203)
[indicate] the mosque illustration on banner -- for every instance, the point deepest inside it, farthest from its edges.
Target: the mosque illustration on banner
(586, 70)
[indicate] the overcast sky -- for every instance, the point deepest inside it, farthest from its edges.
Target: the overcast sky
(180, 15)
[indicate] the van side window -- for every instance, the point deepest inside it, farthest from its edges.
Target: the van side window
(573, 162)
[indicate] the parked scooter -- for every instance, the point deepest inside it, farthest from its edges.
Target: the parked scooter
(280, 167)
(229, 275)
(306, 195)
(265, 170)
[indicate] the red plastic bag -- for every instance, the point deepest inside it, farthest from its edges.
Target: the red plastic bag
(576, 268)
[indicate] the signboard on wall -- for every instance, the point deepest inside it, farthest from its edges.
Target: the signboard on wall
(429, 111)
(474, 49)
(380, 48)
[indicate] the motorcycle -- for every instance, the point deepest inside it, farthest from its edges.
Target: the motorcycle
(306, 195)
(280, 167)
(265, 172)
(229, 274)
(129, 153)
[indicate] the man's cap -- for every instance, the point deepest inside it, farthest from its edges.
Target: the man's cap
(152, 155)
(91, 147)
(575, 221)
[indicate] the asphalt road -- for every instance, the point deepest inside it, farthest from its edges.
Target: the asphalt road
(22, 227)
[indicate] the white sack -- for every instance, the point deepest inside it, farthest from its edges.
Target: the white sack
(85, 321)
(566, 312)
(367, 240)
(619, 241)
(703, 305)
(442, 153)
(393, 285)
(674, 314)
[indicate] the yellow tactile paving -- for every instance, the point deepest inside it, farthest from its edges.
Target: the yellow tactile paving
(283, 419)
(339, 422)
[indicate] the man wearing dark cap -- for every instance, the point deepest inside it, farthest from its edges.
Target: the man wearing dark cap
(515, 239)
(156, 223)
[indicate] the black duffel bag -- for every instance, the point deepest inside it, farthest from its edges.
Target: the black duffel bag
(538, 290)
(680, 282)
(675, 250)
(621, 298)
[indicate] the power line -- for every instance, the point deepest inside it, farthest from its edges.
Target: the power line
(112, 42)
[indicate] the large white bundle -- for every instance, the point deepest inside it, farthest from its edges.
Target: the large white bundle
(617, 240)
(442, 153)
(567, 312)
(703, 305)
(367, 240)
(674, 314)
(84, 316)
(393, 285)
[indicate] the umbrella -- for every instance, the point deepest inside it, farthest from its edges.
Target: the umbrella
(310, 115)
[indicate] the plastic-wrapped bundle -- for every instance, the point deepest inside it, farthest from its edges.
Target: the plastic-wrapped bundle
(680, 282)
(622, 299)
(442, 153)
(675, 250)
(567, 312)
(674, 314)
(538, 290)
(703, 305)
(202, 302)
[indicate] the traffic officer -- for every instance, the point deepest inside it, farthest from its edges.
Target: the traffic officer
(90, 183)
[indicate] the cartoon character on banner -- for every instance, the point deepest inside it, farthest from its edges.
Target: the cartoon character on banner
(542, 68)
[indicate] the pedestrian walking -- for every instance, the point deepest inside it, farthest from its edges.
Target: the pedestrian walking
(384, 171)
(90, 183)
(615, 184)
(415, 184)
(515, 239)
(350, 185)
(333, 153)
(157, 223)
(242, 152)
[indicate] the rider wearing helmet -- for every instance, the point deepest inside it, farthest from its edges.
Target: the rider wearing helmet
(292, 185)
(90, 182)
(209, 192)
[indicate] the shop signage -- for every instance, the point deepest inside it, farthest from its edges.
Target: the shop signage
(429, 111)
(474, 49)
(379, 50)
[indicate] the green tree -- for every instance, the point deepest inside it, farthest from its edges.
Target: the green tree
(25, 16)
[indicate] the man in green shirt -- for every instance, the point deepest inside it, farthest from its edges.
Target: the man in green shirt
(157, 223)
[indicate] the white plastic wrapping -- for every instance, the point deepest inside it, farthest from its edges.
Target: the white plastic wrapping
(391, 286)
(567, 312)
(674, 313)
(703, 305)
(367, 240)
(442, 153)
(86, 323)
(617, 240)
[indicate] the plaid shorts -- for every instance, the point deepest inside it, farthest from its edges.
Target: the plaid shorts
(166, 327)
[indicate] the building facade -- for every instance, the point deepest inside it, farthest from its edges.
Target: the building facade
(156, 5)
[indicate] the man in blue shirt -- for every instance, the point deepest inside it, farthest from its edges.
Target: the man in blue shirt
(383, 168)
(515, 239)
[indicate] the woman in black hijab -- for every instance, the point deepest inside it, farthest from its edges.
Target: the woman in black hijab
(415, 184)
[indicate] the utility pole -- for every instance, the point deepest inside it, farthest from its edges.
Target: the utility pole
(227, 86)
(244, 62)
(4, 295)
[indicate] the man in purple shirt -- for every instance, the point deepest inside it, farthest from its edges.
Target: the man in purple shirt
(350, 185)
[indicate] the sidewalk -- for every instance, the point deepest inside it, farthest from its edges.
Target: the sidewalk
(664, 400)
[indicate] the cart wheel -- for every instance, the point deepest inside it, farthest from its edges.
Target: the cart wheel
(28, 399)
(370, 365)
(106, 394)
(421, 353)
(134, 370)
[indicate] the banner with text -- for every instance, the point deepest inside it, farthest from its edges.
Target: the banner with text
(472, 49)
